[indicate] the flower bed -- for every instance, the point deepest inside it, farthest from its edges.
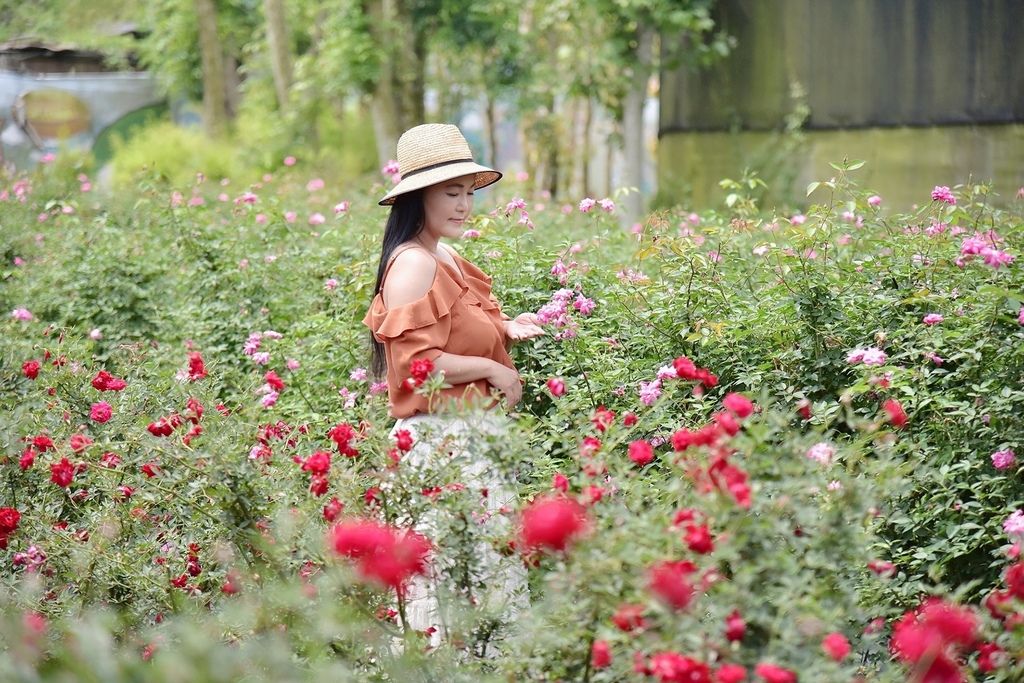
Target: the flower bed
(751, 447)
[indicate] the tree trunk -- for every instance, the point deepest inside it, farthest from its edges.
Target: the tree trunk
(397, 97)
(492, 130)
(633, 127)
(588, 124)
(214, 81)
(232, 85)
(279, 44)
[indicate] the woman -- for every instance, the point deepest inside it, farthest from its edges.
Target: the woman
(431, 304)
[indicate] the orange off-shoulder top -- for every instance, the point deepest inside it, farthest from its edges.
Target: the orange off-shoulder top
(457, 315)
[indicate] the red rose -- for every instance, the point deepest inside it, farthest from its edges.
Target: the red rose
(730, 673)
(552, 523)
(641, 452)
(42, 443)
(698, 538)
(27, 459)
(318, 464)
(403, 439)
(193, 410)
(274, 381)
(560, 483)
(804, 408)
(670, 582)
(589, 446)
(836, 646)
(420, 368)
(383, 554)
(196, 367)
(30, 369)
(232, 583)
(629, 617)
(160, 428)
(100, 412)
(735, 627)
(556, 386)
(603, 418)
(600, 654)
(318, 485)
(895, 411)
(991, 657)
(62, 473)
(774, 674)
(9, 518)
(671, 667)
(629, 419)
(727, 422)
(104, 381)
(333, 509)
(79, 442)
(738, 404)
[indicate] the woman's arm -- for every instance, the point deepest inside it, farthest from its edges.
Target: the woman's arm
(462, 369)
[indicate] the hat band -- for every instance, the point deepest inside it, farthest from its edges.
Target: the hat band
(438, 165)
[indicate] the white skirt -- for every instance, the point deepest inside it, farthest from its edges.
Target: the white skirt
(490, 589)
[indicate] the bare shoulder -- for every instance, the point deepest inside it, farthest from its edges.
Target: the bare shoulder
(449, 248)
(411, 276)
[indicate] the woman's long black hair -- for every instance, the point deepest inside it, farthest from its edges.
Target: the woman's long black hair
(404, 222)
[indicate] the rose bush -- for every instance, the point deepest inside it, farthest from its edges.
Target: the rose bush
(752, 446)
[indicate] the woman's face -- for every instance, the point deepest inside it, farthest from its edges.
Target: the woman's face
(447, 205)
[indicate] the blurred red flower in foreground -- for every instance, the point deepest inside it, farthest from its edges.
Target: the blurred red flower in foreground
(552, 523)
(738, 404)
(383, 554)
(670, 582)
(931, 637)
(774, 674)
(836, 646)
(600, 654)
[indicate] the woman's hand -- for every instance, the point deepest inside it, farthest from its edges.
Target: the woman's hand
(507, 381)
(523, 326)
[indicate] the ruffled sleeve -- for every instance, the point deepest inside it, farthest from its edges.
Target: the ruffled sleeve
(419, 329)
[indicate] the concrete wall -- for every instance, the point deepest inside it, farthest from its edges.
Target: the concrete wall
(926, 91)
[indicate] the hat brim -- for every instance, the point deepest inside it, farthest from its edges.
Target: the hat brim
(484, 177)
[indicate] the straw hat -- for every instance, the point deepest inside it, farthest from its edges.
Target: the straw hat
(432, 153)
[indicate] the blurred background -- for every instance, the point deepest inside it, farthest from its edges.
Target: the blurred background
(583, 98)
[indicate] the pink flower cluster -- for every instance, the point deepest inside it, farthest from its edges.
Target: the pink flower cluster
(869, 356)
(589, 203)
(943, 194)
(1004, 459)
(561, 270)
(984, 245)
(822, 453)
(556, 312)
(1014, 524)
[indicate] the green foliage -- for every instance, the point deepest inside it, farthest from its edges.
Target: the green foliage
(173, 152)
(135, 282)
